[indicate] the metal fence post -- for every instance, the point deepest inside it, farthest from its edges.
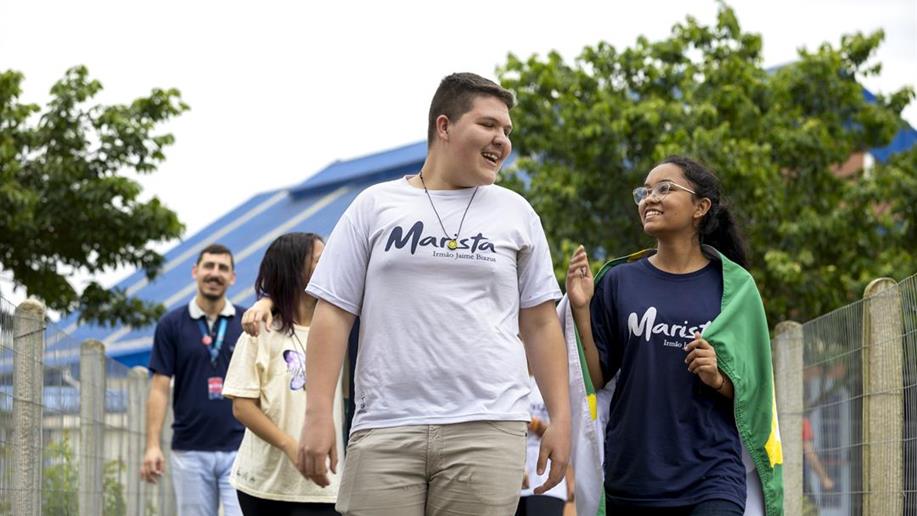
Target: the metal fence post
(92, 426)
(788, 373)
(28, 391)
(883, 416)
(137, 382)
(166, 490)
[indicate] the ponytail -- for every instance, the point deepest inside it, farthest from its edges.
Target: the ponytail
(718, 228)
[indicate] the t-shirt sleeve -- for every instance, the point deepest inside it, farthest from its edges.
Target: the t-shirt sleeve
(340, 276)
(604, 327)
(537, 282)
(162, 356)
(243, 377)
(806, 429)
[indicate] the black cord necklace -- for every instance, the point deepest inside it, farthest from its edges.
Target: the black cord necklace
(452, 243)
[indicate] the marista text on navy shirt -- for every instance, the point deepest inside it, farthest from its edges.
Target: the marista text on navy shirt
(670, 440)
(203, 418)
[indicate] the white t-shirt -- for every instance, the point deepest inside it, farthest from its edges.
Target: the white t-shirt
(533, 447)
(438, 328)
(271, 368)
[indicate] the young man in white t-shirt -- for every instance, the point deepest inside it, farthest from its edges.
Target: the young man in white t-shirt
(446, 272)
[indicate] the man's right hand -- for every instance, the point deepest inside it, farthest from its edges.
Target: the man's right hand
(260, 311)
(154, 465)
(317, 445)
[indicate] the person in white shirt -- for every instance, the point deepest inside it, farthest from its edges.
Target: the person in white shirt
(267, 384)
(446, 271)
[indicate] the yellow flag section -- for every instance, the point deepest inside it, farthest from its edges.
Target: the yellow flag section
(773, 447)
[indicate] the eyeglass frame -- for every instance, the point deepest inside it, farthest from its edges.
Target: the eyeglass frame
(652, 191)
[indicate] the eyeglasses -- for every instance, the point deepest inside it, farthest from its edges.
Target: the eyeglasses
(660, 190)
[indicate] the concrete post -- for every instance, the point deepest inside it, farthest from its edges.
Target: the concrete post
(92, 426)
(28, 391)
(166, 488)
(138, 380)
(883, 414)
(788, 378)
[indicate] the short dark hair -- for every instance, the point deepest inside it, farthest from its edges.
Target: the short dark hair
(216, 249)
(280, 276)
(455, 95)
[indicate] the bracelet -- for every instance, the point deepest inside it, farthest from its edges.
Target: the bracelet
(722, 383)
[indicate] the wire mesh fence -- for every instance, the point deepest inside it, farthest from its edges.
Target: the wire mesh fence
(72, 431)
(908, 290)
(832, 436)
(847, 402)
(7, 488)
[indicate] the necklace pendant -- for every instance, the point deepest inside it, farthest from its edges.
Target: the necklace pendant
(452, 244)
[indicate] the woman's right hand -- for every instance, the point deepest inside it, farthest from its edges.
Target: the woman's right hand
(260, 311)
(580, 284)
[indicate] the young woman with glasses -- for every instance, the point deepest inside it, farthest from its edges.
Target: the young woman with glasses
(679, 333)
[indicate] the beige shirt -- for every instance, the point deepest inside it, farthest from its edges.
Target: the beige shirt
(271, 368)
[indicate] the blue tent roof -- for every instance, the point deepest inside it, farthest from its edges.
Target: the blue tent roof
(379, 167)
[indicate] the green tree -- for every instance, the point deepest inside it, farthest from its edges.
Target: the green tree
(589, 132)
(114, 503)
(60, 484)
(67, 204)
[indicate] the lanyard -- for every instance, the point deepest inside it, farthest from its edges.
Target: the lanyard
(207, 339)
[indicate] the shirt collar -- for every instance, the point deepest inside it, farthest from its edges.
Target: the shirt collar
(196, 312)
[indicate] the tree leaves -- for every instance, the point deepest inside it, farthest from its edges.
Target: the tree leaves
(589, 131)
(67, 203)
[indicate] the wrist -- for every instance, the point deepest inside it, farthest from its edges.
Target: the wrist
(287, 442)
(315, 414)
(722, 383)
(561, 421)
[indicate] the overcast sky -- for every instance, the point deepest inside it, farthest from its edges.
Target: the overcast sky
(280, 89)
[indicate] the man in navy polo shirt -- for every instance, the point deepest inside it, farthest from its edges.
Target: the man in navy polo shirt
(193, 344)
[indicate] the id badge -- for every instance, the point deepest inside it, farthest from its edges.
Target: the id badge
(215, 388)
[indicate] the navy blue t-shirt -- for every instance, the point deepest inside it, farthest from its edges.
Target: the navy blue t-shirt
(203, 418)
(670, 440)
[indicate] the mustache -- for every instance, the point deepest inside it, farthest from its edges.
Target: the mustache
(218, 281)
